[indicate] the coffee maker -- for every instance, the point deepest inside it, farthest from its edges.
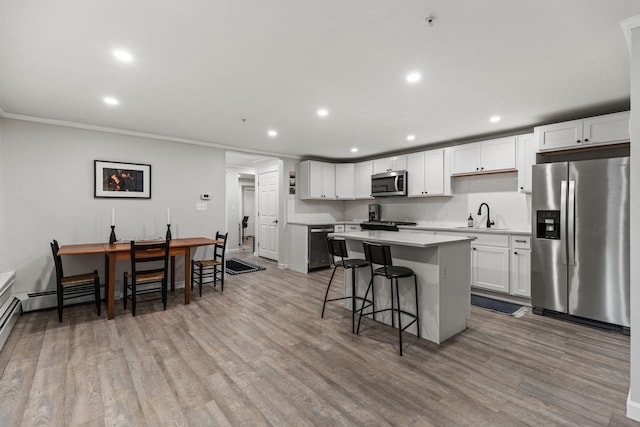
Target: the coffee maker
(374, 212)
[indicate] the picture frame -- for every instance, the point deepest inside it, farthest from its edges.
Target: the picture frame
(121, 180)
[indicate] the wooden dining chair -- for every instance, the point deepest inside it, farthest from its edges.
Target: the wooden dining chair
(149, 268)
(211, 270)
(76, 286)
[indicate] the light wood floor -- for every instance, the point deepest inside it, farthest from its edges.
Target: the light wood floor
(259, 354)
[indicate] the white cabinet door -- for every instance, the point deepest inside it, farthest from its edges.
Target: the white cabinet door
(465, 158)
(317, 180)
(396, 163)
(498, 154)
(526, 160)
(435, 173)
(607, 129)
(559, 135)
(426, 174)
(416, 174)
(399, 163)
(363, 172)
(490, 268)
(599, 130)
(521, 272)
(345, 181)
(328, 181)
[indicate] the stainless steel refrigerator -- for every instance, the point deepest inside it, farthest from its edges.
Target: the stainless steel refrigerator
(580, 241)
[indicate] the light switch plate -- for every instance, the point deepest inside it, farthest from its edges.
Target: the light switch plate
(201, 206)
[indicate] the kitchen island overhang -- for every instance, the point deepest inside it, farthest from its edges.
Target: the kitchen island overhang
(443, 268)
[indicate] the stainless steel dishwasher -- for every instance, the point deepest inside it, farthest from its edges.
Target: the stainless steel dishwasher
(319, 256)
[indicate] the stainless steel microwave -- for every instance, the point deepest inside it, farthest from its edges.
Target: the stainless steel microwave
(389, 184)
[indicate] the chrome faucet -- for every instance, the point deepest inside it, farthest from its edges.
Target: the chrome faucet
(489, 222)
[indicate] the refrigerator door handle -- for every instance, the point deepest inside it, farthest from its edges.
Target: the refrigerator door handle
(571, 223)
(563, 221)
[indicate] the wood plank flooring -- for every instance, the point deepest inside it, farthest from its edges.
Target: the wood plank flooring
(259, 354)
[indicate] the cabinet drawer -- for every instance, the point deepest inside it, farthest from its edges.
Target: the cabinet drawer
(521, 242)
(352, 227)
(338, 228)
(500, 240)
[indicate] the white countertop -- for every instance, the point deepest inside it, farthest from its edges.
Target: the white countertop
(327, 222)
(463, 229)
(417, 240)
(423, 227)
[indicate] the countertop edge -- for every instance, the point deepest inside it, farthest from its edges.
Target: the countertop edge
(448, 240)
(453, 229)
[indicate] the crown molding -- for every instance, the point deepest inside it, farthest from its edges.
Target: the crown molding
(118, 131)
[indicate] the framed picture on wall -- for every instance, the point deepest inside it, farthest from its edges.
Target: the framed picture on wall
(121, 180)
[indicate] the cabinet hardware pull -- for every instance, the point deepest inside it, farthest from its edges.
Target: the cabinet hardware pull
(515, 253)
(586, 139)
(521, 241)
(578, 141)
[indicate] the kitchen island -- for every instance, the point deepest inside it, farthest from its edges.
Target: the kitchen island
(442, 267)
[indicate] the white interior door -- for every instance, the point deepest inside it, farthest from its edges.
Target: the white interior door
(268, 215)
(248, 208)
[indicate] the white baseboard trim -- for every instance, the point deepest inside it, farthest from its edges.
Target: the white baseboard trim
(283, 266)
(48, 299)
(633, 408)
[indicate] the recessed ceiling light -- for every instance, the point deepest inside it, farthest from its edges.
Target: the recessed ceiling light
(109, 100)
(272, 133)
(122, 55)
(354, 150)
(413, 77)
(322, 112)
(494, 119)
(411, 137)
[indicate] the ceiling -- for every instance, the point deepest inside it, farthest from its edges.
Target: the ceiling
(225, 72)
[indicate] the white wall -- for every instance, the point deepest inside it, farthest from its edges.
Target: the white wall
(633, 404)
(46, 178)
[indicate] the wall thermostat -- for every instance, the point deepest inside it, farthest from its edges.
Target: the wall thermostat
(205, 196)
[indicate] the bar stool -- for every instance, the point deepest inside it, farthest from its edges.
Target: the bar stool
(378, 254)
(338, 249)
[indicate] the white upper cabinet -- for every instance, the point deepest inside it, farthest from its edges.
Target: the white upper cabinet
(345, 185)
(317, 180)
(484, 156)
(363, 172)
(526, 159)
(396, 163)
(465, 158)
(427, 173)
(600, 130)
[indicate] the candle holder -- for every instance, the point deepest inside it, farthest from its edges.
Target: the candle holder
(168, 236)
(112, 237)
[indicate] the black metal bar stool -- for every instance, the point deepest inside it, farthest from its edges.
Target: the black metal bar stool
(338, 249)
(378, 254)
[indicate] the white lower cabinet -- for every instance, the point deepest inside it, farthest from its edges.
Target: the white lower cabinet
(521, 266)
(499, 262)
(490, 268)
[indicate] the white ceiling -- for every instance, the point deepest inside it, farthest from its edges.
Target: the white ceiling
(202, 66)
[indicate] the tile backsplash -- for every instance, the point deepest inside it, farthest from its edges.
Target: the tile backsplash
(509, 208)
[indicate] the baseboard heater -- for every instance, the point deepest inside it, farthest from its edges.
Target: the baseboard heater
(10, 307)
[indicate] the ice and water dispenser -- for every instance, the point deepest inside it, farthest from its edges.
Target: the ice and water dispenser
(548, 225)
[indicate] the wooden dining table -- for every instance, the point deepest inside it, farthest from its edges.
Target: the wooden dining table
(122, 251)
